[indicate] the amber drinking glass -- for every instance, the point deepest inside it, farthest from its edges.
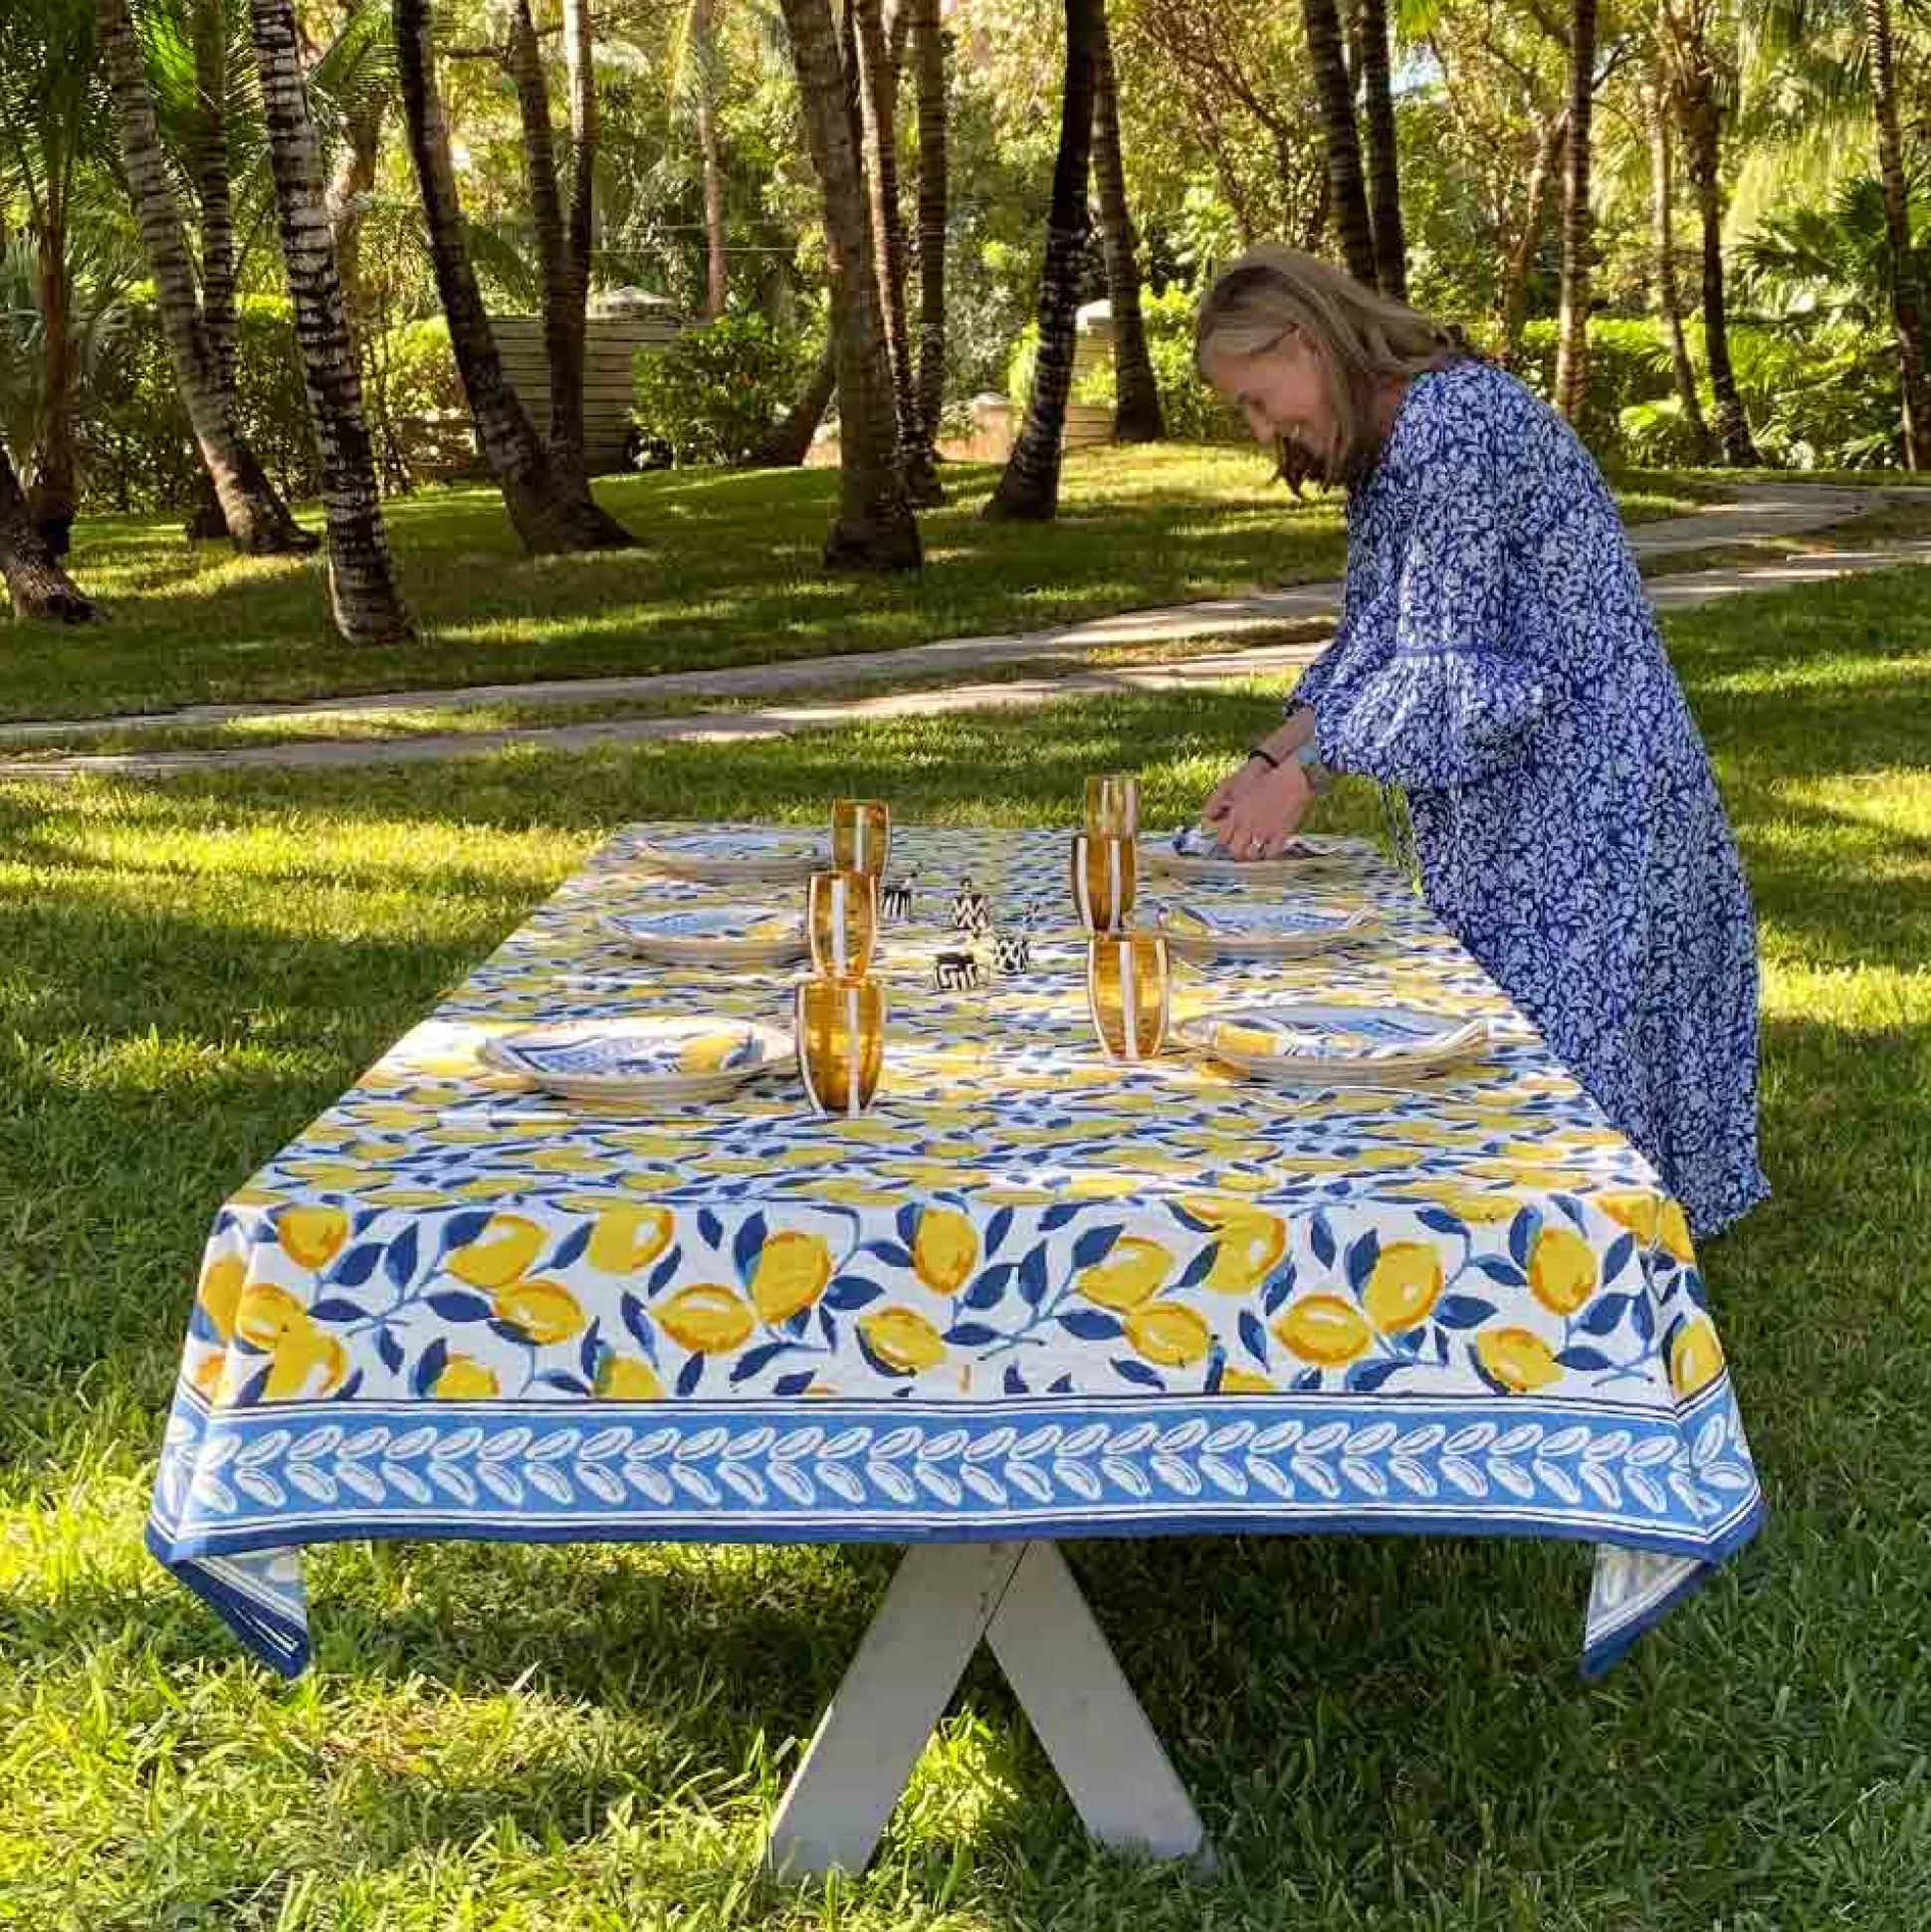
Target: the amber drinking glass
(1126, 988)
(841, 1043)
(861, 835)
(1104, 870)
(841, 917)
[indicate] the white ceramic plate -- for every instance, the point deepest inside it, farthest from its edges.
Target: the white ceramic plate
(1306, 1045)
(726, 934)
(1194, 853)
(639, 1058)
(723, 853)
(1199, 930)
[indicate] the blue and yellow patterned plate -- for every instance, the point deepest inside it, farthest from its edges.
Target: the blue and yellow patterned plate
(1327, 1045)
(1193, 852)
(639, 1058)
(717, 935)
(722, 854)
(1200, 930)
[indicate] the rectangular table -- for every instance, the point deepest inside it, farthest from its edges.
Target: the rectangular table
(1028, 1297)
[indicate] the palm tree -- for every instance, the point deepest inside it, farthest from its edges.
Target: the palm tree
(50, 137)
(1908, 305)
(1029, 486)
(1669, 310)
(36, 584)
(1348, 194)
(257, 520)
(1383, 174)
(362, 582)
(789, 440)
(705, 58)
(1571, 347)
(878, 95)
(928, 59)
(1136, 414)
(874, 528)
(548, 514)
(1698, 86)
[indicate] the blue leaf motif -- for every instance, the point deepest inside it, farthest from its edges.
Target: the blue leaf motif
(357, 1265)
(892, 1254)
(1618, 1258)
(1604, 1314)
(1280, 1288)
(390, 1350)
(1253, 1335)
(1361, 1256)
(971, 1335)
(569, 1250)
(434, 1360)
(591, 1352)
(400, 1260)
(335, 1308)
(665, 1269)
(749, 1245)
(753, 1360)
(1502, 1271)
(1095, 1246)
(1057, 1217)
(1583, 1359)
(689, 1376)
(1522, 1235)
(709, 1228)
(1321, 1235)
(459, 1305)
(1032, 1276)
(1366, 1377)
(639, 1324)
(1644, 1318)
(851, 1291)
(1136, 1372)
(1090, 1324)
(796, 1384)
(461, 1230)
(567, 1385)
(989, 1286)
(1463, 1311)
(997, 1230)
(1016, 1383)
(908, 1227)
(1441, 1221)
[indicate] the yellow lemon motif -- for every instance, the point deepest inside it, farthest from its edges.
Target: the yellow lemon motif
(626, 1239)
(623, 1378)
(1476, 1208)
(1245, 1256)
(706, 1319)
(1562, 1270)
(220, 1294)
(266, 1314)
(306, 1363)
(1323, 1329)
(1403, 1286)
(545, 1311)
(902, 1340)
(1517, 1360)
(1636, 1213)
(944, 1251)
(791, 1273)
(1239, 1382)
(313, 1236)
(1673, 1231)
(505, 1248)
(207, 1373)
(1170, 1333)
(1696, 1357)
(465, 1379)
(1130, 1276)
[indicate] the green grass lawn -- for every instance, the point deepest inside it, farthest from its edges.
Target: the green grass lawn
(1382, 1734)
(730, 576)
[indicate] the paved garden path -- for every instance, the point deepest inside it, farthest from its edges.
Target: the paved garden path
(1754, 513)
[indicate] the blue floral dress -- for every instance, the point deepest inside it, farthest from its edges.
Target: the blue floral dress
(1496, 658)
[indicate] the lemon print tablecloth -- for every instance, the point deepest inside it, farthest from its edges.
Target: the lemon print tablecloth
(1028, 1295)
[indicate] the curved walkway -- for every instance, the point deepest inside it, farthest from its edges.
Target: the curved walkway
(1754, 514)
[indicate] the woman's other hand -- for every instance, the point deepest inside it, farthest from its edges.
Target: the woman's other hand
(1256, 810)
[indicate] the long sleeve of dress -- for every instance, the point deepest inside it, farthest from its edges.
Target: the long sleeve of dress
(1453, 698)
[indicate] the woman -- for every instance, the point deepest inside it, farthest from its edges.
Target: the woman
(1497, 660)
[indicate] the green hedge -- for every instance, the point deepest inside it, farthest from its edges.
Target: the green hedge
(710, 395)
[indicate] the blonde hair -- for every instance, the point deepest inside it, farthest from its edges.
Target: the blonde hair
(1364, 340)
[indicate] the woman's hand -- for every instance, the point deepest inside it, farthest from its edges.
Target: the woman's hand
(1259, 808)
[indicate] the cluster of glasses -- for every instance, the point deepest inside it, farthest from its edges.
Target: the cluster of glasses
(1127, 982)
(840, 1008)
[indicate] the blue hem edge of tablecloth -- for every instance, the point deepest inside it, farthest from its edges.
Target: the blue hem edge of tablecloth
(285, 1645)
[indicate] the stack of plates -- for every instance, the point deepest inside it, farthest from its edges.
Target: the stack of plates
(639, 1058)
(1333, 1046)
(744, 935)
(725, 854)
(1193, 852)
(1200, 930)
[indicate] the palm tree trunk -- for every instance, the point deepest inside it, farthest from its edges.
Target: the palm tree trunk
(547, 513)
(257, 521)
(368, 609)
(39, 588)
(703, 51)
(1670, 307)
(1349, 194)
(1384, 169)
(351, 184)
(878, 94)
(875, 528)
(789, 441)
(1136, 414)
(1907, 310)
(213, 191)
(1700, 116)
(1515, 277)
(55, 490)
(929, 56)
(1029, 486)
(1572, 343)
(567, 368)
